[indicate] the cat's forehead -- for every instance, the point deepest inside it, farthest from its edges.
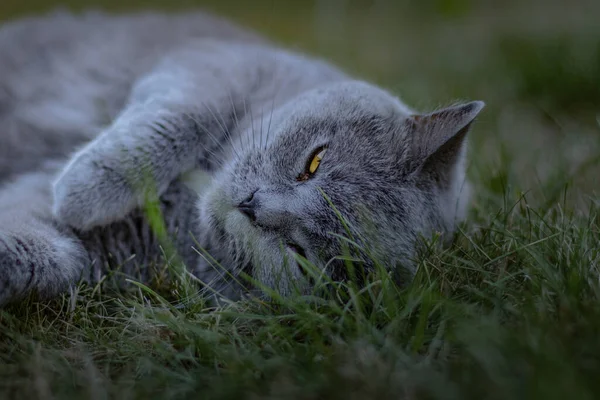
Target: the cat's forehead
(344, 100)
(347, 107)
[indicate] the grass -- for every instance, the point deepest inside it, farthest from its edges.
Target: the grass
(511, 310)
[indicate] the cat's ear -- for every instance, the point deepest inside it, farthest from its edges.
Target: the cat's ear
(437, 138)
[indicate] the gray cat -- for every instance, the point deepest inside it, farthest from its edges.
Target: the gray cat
(99, 111)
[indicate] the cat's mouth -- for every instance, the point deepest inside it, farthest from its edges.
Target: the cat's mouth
(293, 248)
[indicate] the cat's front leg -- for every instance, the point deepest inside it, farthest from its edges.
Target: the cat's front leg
(37, 254)
(140, 154)
(41, 260)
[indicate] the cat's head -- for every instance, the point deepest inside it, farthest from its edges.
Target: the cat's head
(345, 161)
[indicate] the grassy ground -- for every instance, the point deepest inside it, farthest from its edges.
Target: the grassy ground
(510, 311)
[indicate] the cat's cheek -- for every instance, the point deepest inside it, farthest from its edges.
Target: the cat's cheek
(238, 225)
(214, 205)
(199, 180)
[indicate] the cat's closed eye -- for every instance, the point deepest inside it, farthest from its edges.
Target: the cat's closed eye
(312, 164)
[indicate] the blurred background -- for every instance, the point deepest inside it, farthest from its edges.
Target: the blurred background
(536, 63)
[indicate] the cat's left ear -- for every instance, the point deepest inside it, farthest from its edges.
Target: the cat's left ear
(436, 139)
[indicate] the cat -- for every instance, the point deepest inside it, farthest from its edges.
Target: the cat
(259, 155)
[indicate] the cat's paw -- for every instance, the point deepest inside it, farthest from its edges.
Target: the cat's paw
(92, 191)
(144, 150)
(45, 262)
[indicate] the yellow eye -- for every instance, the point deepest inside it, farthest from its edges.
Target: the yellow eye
(312, 165)
(316, 161)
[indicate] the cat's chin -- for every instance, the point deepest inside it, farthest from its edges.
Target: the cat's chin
(266, 250)
(242, 259)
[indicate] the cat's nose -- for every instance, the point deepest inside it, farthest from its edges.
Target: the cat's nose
(248, 207)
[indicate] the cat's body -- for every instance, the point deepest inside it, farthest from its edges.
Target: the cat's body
(154, 96)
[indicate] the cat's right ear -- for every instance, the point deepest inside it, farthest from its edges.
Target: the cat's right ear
(436, 140)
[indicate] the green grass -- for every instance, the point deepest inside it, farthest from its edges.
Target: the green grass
(511, 310)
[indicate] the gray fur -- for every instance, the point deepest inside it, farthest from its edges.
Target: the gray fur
(139, 100)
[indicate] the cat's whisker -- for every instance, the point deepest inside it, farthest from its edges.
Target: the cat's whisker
(204, 129)
(222, 124)
(253, 130)
(236, 121)
(262, 111)
(210, 135)
(252, 125)
(239, 137)
(271, 116)
(226, 128)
